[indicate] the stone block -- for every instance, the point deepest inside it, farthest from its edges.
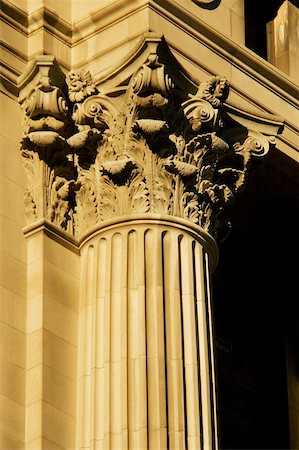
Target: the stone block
(34, 379)
(13, 274)
(12, 422)
(60, 355)
(36, 444)
(34, 313)
(60, 320)
(60, 256)
(12, 381)
(35, 250)
(33, 420)
(12, 109)
(48, 445)
(35, 281)
(10, 443)
(12, 344)
(34, 353)
(58, 427)
(60, 285)
(10, 160)
(14, 243)
(59, 391)
(12, 309)
(11, 209)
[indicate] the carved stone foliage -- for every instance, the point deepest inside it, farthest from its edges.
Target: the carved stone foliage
(149, 147)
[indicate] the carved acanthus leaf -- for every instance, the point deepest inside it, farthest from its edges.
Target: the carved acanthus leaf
(148, 146)
(183, 169)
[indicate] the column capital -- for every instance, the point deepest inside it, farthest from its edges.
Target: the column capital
(145, 138)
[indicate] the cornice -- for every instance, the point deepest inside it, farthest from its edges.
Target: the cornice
(54, 232)
(104, 18)
(74, 34)
(236, 54)
(28, 24)
(14, 16)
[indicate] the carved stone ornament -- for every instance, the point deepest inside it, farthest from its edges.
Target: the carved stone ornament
(155, 143)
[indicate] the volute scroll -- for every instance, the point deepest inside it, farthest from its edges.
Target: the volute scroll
(150, 147)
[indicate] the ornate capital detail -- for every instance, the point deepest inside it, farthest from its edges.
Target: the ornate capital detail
(46, 153)
(153, 145)
(80, 85)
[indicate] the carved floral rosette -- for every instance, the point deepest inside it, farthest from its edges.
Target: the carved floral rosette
(151, 147)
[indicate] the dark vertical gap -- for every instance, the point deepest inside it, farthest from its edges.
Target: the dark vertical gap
(128, 296)
(257, 14)
(182, 332)
(110, 320)
(206, 287)
(197, 346)
(254, 298)
(145, 325)
(165, 338)
(127, 332)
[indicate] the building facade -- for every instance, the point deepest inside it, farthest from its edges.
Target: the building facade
(149, 224)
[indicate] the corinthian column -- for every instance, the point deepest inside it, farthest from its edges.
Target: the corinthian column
(146, 373)
(138, 177)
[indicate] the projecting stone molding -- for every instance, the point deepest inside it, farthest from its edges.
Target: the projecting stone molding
(155, 143)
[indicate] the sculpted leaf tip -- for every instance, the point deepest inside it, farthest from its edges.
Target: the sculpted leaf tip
(150, 147)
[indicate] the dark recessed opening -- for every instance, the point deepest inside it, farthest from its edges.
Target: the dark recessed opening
(257, 14)
(255, 302)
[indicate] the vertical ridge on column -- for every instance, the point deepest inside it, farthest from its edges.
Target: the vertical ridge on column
(174, 343)
(190, 345)
(124, 344)
(93, 345)
(156, 382)
(99, 412)
(211, 352)
(145, 344)
(81, 355)
(116, 321)
(137, 391)
(87, 394)
(106, 331)
(198, 333)
(203, 346)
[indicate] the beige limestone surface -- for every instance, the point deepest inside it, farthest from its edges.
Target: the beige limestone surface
(57, 362)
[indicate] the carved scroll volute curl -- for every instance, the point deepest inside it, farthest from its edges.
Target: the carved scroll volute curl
(161, 155)
(152, 77)
(44, 146)
(148, 96)
(147, 146)
(202, 108)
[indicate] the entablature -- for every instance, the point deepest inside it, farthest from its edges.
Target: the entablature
(201, 48)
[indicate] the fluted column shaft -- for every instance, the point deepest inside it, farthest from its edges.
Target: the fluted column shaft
(146, 377)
